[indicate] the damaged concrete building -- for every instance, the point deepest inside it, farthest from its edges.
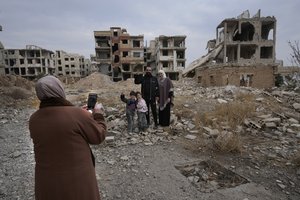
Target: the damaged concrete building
(2, 66)
(119, 54)
(167, 53)
(70, 64)
(243, 54)
(29, 62)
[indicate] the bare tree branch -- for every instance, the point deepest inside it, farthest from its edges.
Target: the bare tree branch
(295, 55)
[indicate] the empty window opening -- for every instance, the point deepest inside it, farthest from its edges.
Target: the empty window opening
(165, 52)
(38, 61)
(116, 71)
(38, 54)
(246, 80)
(136, 54)
(116, 59)
(21, 61)
(179, 43)
(180, 55)
(247, 51)
(125, 53)
(115, 47)
(231, 53)
(165, 43)
(247, 32)
(59, 62)
(22, 53)
(73, 66)
(180, 64)
(115, 33)
(23, 71)
(103, 55)
(136, 43)
(165, 64)
(59, 68)
(29, 61)
(72, 59)
(31, 71)
(12, 62)
(125, 41)
(66, 59)
(266, 52)
(267, 30)
(126, 67)
(6, 71)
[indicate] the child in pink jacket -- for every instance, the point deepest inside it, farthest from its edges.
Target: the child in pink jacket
(141, 112)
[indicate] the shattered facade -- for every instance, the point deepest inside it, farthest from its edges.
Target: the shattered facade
(119, 54)
(2, 66)
(243, 53)
(29, 62)
(72, 65)
(168, 54)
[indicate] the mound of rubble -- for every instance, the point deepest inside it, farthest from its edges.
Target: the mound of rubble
(15, 90)
(93, 82)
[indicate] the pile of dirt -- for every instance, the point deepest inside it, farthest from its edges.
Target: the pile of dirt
(17, 81)
(15, 90)
(93, 82)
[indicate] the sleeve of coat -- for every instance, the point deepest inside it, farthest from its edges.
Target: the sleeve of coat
(93, 127)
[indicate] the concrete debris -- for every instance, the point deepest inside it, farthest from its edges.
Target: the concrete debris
(190, 137)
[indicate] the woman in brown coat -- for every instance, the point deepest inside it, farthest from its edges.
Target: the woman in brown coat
(61, 135)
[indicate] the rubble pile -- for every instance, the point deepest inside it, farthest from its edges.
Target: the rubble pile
(14, 89)
(94, 81)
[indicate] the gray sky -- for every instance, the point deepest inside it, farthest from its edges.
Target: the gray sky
(69, 24)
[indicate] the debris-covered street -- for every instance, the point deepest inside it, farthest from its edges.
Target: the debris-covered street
(223, 143)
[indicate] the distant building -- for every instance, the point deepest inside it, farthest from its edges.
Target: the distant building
(2, 65)
(168, 54)
(119, 54)
(243, 54)
(70, 64)
(29, 62)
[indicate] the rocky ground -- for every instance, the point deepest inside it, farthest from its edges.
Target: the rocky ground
(224, 143)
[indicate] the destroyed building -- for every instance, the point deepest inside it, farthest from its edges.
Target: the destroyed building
(119, 54)
(167, 53)
(72, 65)
(29, 62)
(2, 66)
(243, 54)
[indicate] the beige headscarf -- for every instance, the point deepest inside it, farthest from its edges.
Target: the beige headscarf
(49, 87)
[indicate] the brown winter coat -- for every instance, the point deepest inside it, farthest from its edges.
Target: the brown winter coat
(64, 168)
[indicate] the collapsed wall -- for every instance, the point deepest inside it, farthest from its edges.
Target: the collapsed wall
(243, 49)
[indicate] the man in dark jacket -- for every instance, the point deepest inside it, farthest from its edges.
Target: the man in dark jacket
(150, 92)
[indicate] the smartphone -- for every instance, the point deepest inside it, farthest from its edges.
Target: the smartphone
(92, 100)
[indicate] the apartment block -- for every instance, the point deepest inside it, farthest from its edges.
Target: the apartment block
(244, 50)
(168, 53)
(119, 54)
(29, 62)
(2, 66)
(69, 64)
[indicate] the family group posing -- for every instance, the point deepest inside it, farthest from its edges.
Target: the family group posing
(155, 92)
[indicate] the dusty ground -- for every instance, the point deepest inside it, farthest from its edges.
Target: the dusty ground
(137, 170)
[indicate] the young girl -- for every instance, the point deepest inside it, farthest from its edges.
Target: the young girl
(130, 110)
(141, 112)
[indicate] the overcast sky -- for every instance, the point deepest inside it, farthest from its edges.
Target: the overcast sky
(69, 25)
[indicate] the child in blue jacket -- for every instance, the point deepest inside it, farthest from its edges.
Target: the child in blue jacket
(130, 110)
